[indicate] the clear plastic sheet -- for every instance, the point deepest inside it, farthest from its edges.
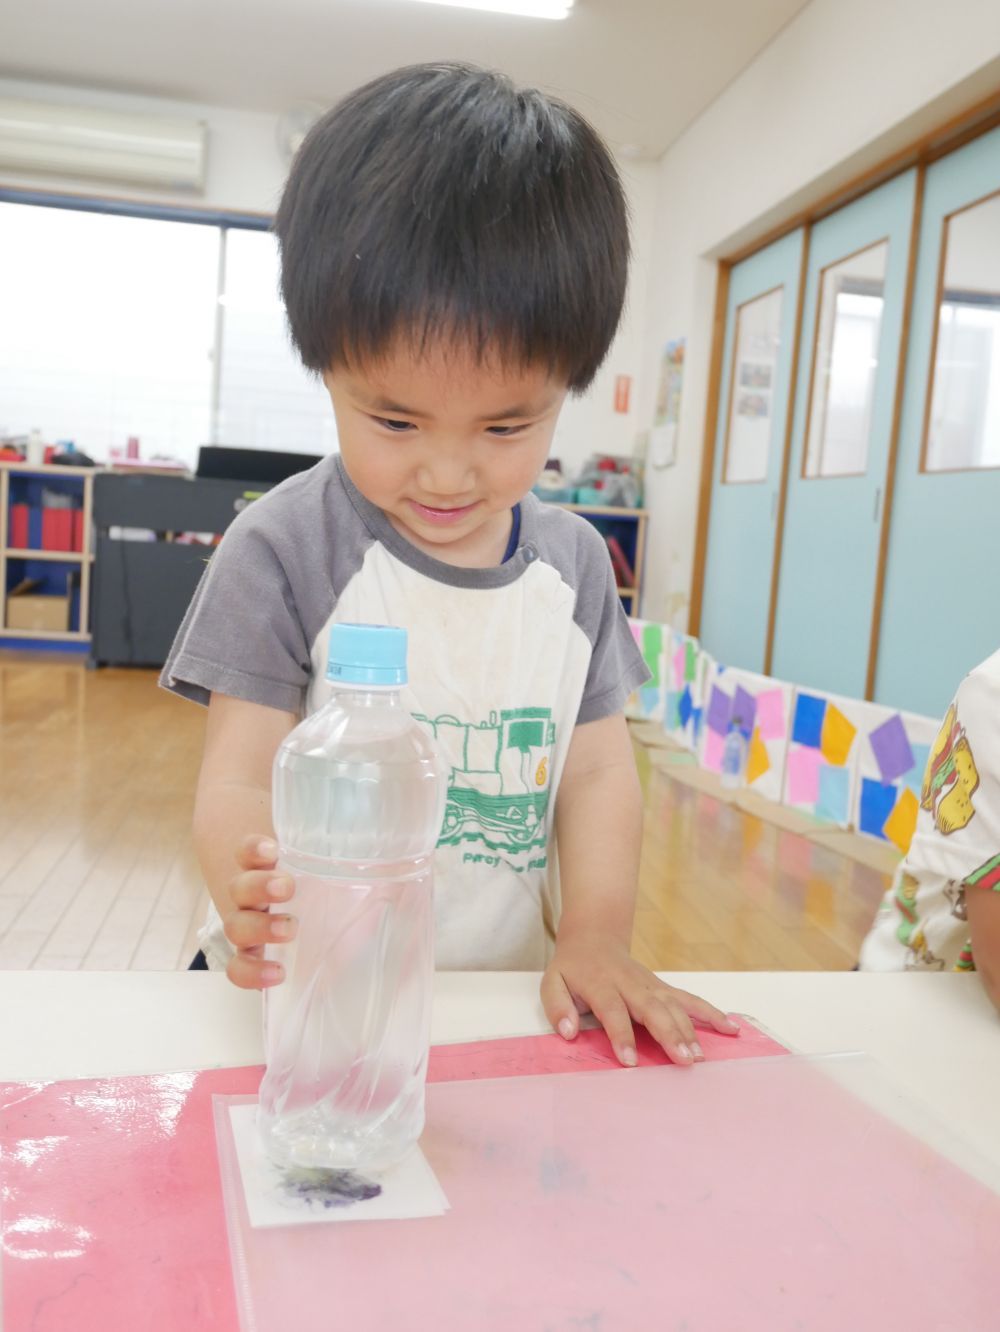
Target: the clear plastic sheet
(753, 1196)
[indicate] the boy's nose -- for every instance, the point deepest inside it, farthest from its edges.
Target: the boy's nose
(447, 474)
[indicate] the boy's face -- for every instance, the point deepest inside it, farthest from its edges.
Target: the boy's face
(445, 446)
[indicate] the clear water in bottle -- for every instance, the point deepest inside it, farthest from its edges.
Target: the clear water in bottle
(358, 793)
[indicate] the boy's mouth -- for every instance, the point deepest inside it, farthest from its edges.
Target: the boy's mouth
(442, 516)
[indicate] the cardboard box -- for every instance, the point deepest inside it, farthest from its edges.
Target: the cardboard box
(29, 610)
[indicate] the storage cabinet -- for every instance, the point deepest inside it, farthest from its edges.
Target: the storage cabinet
(46, 553)
(625, 532)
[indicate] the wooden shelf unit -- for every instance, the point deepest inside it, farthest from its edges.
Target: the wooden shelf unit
(84, 558)
(630, 595)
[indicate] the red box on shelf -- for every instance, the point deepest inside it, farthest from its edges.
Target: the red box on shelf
(78, 529)
(18, 535)
(57, 529)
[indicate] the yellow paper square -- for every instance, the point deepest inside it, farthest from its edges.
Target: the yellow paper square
(838, 736)
(901, 823)
(757, 760)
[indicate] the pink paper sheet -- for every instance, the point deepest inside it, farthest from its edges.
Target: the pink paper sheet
(111, 1213)
(803, 775)
(713, 751)
(752, 1197)
(771, 704)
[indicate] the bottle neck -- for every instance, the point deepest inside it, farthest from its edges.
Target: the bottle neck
(366, 696)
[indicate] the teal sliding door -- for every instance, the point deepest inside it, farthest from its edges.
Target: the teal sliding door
(942, 593)
(746, 480)
(842, 426)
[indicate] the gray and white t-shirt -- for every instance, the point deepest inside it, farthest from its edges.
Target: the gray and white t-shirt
(503, 663)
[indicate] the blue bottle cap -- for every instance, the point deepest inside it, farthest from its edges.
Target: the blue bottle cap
(367, 654)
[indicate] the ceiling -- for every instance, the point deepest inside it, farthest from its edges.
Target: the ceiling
(641, 70)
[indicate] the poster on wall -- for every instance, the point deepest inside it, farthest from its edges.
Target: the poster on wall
(762, 709)
(667, 413)
(751, 410)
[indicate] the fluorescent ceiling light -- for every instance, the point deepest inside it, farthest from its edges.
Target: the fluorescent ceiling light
(544, 9)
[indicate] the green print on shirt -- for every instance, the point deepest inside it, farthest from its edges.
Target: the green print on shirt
(498, 793)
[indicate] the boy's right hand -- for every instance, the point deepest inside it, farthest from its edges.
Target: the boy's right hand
(250, 925)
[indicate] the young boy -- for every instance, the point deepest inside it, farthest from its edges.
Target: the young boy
(454, 258)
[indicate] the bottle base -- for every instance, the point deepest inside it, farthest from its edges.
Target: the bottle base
(326, 1147)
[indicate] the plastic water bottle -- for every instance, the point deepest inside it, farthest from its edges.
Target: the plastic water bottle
(359, 791)
(734, 754)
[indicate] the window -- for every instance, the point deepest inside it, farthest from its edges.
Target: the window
(846, 364)
(172, 331)
(751, 389)
(107, 330)
(963, 427)
(266, 399)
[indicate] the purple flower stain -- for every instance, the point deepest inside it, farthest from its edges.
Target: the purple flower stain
(328, 1188)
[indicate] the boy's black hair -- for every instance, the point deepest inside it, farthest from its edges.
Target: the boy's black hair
(442, 201)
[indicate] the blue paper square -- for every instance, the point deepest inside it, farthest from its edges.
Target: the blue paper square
(685, 706)
(696, 716)
(914, 779)
(649, 700)
(673, 718)
(834, 794)
(877, 803)
(807, 727)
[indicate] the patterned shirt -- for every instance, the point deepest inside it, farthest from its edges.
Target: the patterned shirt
(503, 663)
(921, 924)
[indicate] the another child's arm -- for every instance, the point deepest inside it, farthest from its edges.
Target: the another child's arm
(983, 910)
(599, 833)
(233, 831)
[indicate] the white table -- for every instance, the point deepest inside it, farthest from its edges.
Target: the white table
(937, 1035)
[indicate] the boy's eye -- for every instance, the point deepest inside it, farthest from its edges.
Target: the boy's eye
(503, 432)
(397, 427)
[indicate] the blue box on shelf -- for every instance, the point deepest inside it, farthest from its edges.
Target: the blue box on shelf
(556, 495)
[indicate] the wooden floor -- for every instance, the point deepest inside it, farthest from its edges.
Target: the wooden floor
(97, 870)
(722, 890)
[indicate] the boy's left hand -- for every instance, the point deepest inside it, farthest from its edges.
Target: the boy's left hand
(596, 974)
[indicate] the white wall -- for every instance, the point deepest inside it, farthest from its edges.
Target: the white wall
(590, 424)
(246, 172)
(842, 87)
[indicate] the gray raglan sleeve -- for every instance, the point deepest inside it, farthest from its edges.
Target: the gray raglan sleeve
(242, 634)
(616, 664)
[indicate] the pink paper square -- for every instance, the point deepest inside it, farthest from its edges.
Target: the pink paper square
(803, 775)
(714, 745)
(680, 666)
(771, 715)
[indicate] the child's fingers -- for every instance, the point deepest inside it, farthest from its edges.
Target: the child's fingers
(253, 929)
(255, 890)
(257, 852)
(558, 1003)
(611, 1012)
(249, 971)
(708, 1014)
(671, 1028)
